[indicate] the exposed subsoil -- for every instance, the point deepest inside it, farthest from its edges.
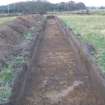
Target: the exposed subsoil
(55, 76)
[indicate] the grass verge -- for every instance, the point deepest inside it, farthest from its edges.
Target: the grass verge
(89, 29)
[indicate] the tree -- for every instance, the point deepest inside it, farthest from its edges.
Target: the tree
(42, 6)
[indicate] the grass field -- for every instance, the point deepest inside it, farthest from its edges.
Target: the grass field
(91, 29)
(4, 20)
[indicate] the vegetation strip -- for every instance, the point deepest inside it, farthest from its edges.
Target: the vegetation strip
(9, 72)
(91, 32)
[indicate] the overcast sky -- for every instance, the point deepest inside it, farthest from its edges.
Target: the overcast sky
(87, 2)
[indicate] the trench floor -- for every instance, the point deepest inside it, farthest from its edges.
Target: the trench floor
(56, 77)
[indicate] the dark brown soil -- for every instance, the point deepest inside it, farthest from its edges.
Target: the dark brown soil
(55, 76)
(12, 34)
(15, 49)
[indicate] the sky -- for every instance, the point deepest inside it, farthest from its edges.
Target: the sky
(87, 2)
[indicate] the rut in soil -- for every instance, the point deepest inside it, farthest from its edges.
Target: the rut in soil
(56, 78)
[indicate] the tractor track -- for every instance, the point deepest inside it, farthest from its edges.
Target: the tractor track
(56, 77)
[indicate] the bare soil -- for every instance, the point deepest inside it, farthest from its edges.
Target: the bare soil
(12, 34)
(55, 76)
(16, 42)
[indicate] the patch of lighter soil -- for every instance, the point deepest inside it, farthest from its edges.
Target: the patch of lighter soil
(56, 96)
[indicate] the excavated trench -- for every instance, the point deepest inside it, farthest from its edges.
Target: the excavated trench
(58, 74)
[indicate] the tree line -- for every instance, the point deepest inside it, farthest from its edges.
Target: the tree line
(41, 6)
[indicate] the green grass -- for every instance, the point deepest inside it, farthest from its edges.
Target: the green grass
(92, 30)
(6, 77)
(28, 35)
(4, 20)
